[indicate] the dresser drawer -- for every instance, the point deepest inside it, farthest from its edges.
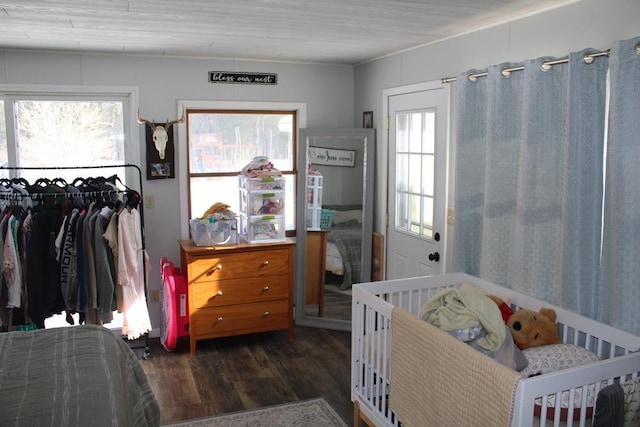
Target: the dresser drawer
(240, 319)
(247, 264)
(237, 291)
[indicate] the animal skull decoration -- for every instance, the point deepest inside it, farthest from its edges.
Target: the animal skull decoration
(160, 135)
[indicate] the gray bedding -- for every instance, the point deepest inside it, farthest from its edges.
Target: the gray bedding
(75, 376)
(348, 240)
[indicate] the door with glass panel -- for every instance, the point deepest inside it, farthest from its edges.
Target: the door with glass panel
(417, 183)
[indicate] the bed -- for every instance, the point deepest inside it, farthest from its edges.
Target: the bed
(404, 370)
(73, 376)
(344, 245)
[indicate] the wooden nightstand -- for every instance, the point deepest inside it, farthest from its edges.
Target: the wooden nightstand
(238, 289)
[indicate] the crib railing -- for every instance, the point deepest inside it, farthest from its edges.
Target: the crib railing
(373, 304)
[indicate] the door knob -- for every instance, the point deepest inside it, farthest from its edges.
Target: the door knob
(436, 237)
(434, 257)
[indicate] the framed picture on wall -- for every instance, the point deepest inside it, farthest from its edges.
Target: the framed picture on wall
(160, 166)
(367, 119)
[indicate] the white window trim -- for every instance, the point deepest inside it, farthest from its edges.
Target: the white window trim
(131, 130)
(300, 108)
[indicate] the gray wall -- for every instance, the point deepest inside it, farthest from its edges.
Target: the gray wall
(162, 82)
(556, 32)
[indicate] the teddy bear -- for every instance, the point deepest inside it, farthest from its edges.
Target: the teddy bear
(529, 328)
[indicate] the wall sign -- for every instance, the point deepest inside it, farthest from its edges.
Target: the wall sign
(331, 157)
(232, 77)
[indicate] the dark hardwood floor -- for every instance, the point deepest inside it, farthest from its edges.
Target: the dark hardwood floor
(251, 371)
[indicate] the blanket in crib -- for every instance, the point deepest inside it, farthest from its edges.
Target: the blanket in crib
(453, 309)
(437, 380)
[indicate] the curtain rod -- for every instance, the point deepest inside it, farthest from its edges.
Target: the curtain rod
(588, 58)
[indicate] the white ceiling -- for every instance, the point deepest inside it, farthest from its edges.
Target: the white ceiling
(320, 31)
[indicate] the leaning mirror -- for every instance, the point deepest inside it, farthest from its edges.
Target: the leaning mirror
(334, 220)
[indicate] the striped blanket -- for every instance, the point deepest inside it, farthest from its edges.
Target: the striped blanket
(73, 376)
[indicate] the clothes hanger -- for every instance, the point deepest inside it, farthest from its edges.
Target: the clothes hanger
(79, 182)
(60, 182)
(20, 181)
(42, 182)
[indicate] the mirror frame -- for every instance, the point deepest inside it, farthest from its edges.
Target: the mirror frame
(368, 141)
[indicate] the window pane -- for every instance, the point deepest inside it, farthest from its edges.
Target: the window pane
(414, 173)
(226, 142)
(64, 132)
(401, 211)
(205, 191)
(429, 134)
(69, 133)
(402, 172)
(222, 143)
(427, 214)
(428, 172)
(416, 133)
(402, 137)
(415, 210)
(3, 136)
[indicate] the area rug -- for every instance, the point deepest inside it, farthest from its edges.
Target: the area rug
(306, 413)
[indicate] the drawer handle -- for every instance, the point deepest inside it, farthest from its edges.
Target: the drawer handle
(265, 262)
(220, 319)
(265, 289)
(214, 269)
(219, 294)
(266, 313)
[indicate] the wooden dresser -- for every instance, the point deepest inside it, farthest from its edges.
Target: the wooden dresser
(238, 289)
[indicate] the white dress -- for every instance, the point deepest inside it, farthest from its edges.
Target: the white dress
(133, 268)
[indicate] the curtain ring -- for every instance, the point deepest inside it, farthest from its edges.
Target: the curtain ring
(637, 47)
(505, 72)
(588, 58)
(547, 63)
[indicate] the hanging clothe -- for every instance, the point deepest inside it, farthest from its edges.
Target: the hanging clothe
(62, 254)
(133, 266)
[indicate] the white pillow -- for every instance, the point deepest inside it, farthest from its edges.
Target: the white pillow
(555, 357)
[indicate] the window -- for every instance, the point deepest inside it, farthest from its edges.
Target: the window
(65, 127)
(415, 172)
(3, 135)
(222, 142)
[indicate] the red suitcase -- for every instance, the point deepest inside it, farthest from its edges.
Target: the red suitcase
(174, 308)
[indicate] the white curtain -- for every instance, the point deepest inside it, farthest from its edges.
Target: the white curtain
(620, 278)
(529, 178)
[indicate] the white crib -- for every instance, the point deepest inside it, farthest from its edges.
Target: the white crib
(371, 348)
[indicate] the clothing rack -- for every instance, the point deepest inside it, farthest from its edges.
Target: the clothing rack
(49, 196)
